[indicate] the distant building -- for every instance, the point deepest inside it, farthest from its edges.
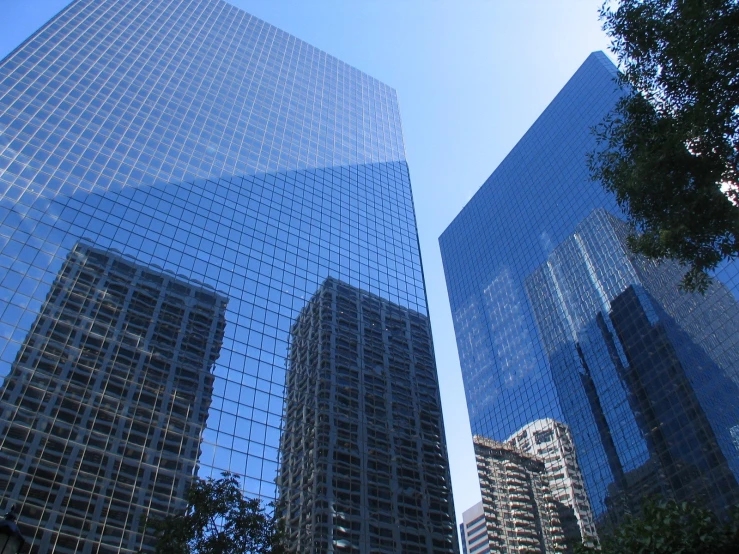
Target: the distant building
(474, 531)
(363, 455)
(103, 410)
(520, 512)
(551, 442)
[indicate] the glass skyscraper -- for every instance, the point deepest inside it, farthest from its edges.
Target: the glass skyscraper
(155, 147)
(652, 372)
(555, 319)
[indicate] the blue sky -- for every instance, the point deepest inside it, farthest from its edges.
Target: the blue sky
(471, 76)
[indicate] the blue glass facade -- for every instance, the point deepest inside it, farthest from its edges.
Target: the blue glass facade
(554, 319)
(532, 202)
(647, 379)
(205, 145)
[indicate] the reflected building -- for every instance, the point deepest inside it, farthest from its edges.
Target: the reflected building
(639, 381)
(103, 410)
(363, 456)
(191, 136)
(520, 512)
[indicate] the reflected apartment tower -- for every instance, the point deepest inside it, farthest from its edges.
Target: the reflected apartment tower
(363, 455)
(649, 393)
(551, 442)
(103, 410)
(520, 513)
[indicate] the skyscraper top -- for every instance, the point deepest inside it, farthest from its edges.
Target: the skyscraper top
(532, 202)
(526, 188)
(125, 47)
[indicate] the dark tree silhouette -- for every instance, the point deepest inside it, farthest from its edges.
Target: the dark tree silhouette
(218, 519)
(669, 527)
(669, 150)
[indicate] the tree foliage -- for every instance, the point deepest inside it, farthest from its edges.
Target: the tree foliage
(669, 150)
(669, 527)
(218, 519)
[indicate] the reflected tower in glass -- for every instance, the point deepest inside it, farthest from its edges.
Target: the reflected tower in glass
(648, 377)
(107, 400)
(361, 468)
(206, 148)
(555, 320)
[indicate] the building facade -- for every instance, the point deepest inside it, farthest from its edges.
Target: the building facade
(104, 407)
(198, 141)
(473, 531)
(520, 512)
(551, 442)
(363, 464)
(517, 370)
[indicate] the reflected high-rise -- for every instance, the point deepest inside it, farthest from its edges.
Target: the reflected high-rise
(363, 467)
(103, 410)
(556, 320)
(647, 377)
(199, 142)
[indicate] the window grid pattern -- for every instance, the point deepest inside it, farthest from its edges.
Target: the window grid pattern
(103, 409)
(201, 142)
(632, 358)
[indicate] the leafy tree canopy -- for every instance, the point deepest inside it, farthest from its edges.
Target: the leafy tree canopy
(669, 150)
(218, 519)
(669, 527)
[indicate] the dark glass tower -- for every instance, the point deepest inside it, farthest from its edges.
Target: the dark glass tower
(362, 459)
(554, 319)
(202, 143)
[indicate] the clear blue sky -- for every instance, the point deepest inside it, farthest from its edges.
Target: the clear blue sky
(471, 76)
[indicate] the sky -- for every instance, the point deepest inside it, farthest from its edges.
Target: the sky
(471, 76)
